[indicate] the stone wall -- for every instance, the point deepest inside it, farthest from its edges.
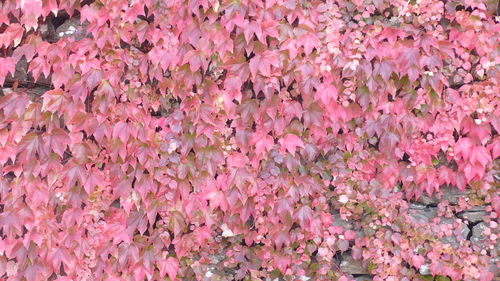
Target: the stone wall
(470, 224)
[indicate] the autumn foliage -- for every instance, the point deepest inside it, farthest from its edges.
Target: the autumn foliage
(232, 139)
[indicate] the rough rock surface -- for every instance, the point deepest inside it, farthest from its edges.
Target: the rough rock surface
(422, 213)
(474, 215)
(338, 221)
(451, 194)
(71, 27)
(478, 232)
(425, 269)
(352, 266)
(427, 200)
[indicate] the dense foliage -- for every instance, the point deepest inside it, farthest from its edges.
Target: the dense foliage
(158, 135)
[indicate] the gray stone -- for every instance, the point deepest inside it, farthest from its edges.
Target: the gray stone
(454, 240)
(445, 193)
(48, 32)
(21, 72)
(352, 266)
(338, 221)
(477, 209)
(424, 269)
(477, 233)
(472, 216)
(427, 200)
(452, 194)
(414, 206)
(36, 93)
(422, 213)
(71, 27)
(217, 258)
(494, 266)
(495, 252)
(455, 80)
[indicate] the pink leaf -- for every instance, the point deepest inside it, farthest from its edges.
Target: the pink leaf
(14, 103)
(263, 142)
(464, 147)
(169, 266)
(290, 142)
(282, 262)
(417, 260)
(304, 215)
(7, 65)
(282, 238)
(121, 131)
(481, 155)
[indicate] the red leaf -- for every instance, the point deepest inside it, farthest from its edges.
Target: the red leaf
(281, 238)
(385, 69)
(14, 103)
(53, 100)
(282, 262)
(263, 142)
(262, 62)
(57, 141)
(417, 260)
(481, 155)
(13, 34)
(121, 131)
(7, 65)
(304, 215)
(62, 76)
(290, 142)
(169, 266)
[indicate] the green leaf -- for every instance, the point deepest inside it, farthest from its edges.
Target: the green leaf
(425, 277)
(347, 155)
(275, 274)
